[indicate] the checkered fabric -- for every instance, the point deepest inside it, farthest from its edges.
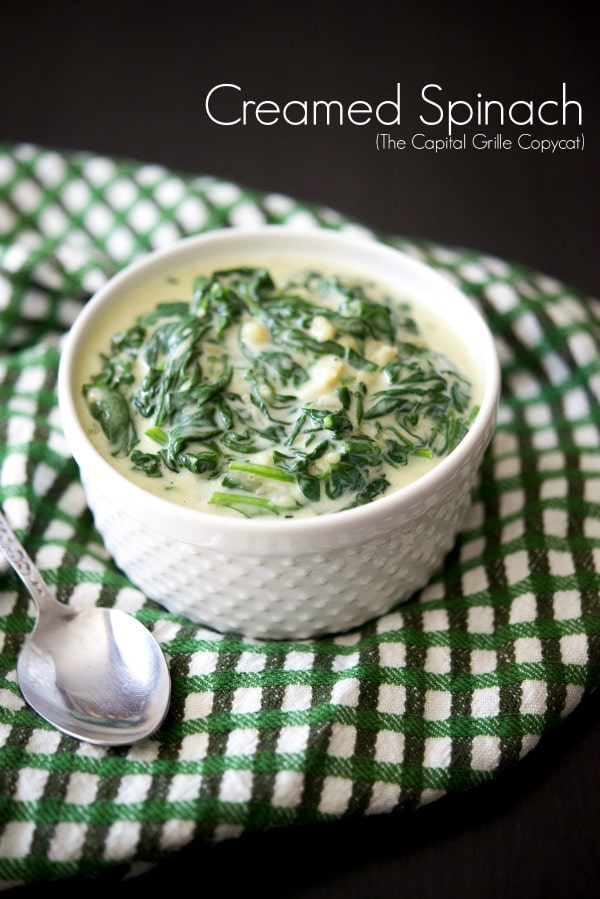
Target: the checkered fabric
(438, 696)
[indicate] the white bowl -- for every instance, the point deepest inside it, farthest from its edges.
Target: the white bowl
(296, 578)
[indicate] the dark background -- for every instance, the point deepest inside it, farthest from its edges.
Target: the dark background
(128, 79)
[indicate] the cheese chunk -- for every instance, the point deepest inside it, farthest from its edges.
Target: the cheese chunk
(325, 375)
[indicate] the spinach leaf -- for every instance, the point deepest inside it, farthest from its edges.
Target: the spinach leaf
(110, 409)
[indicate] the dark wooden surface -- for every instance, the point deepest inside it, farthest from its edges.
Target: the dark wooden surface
(129, 79)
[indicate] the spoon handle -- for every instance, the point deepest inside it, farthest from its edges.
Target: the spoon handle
(16, 556)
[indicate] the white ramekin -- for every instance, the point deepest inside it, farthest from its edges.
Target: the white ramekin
(297, 578)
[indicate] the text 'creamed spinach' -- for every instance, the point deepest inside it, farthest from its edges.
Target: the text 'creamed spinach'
(286, 398)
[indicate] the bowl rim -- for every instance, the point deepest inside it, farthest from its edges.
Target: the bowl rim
(183, 522)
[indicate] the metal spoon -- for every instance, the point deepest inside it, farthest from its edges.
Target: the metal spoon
(96, 674)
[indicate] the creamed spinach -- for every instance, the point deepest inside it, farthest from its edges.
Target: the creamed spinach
(301, 396)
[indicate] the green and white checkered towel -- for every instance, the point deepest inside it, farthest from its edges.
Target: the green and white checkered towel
(438, 696)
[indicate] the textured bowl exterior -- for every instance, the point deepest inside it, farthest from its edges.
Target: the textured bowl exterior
(291, 595)
(294, 579)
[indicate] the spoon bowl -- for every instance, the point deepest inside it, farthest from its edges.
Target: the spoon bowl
(95, 674)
